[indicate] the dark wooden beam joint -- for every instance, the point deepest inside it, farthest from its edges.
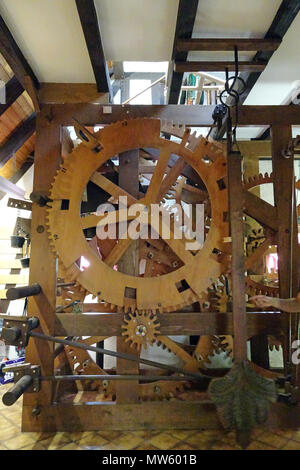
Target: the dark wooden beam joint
(90, 26)
(13, 89)
(17, 138)
(14, 56)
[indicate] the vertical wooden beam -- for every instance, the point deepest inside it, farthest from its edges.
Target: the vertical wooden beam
(283, 170)
(43, 260)
(236, 207)
(127, 392)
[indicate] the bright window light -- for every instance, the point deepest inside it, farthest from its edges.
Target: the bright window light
(154, 67)
(135, 87)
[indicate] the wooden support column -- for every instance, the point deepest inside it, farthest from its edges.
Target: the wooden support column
(236, 206)
(283, 170)
(127, 392)
(42, 263)
(259, 344)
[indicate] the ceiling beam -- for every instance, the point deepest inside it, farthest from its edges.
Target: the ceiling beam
(13, 89)
(227, 44)
(219, 66)
(90, 26)
(14, 56)
(17, 138)
(284, 17)
(187, 11)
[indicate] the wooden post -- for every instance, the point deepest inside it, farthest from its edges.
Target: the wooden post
(283, 170)
(42, 262)
(127, 392)
(236, 204)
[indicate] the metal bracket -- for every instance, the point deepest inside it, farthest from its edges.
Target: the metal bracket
(15, 331)
(19, 204)
(26, 369)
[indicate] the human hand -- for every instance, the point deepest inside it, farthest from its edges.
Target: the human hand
(261, 301)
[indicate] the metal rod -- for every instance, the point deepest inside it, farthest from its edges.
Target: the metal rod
(145, 89)
(142, 378)
(128, 357)
(20, 292)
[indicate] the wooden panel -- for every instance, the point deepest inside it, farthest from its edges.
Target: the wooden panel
(147, 416)
(219, 66)
(81, 417)
(227, 44)
(109, 324)
(42, 259)
(54, 93)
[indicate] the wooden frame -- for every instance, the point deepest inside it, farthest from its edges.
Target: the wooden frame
(80, 416)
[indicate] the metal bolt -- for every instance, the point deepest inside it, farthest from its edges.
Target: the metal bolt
(40, 229)
(24, 324)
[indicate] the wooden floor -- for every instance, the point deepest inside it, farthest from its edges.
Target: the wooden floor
(11, 437)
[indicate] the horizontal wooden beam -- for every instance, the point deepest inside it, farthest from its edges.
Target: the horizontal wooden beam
(55, 93)
(261, 211)
(219, 66)
(13, 90)
(14, 56)
(147, 415)
(17, 138)
(75, 417)
(227, 44)
(109, 324)
(196, 115)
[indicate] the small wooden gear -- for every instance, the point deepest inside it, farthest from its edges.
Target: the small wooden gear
(140, 329)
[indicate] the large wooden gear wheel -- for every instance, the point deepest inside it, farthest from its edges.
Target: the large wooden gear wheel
(66, 225)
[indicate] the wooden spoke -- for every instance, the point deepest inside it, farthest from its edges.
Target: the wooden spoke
(171, 177)
(95, 220)
(111, 187)
(177, 245)
(157, 177)
(190, 363)
(118, 251)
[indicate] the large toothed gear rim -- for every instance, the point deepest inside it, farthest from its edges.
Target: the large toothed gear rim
(65, 226)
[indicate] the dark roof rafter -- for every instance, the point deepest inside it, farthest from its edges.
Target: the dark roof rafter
(90, 26)
(186, 16)
(14, 56)
(284, 17)
(17, 138)
(14, 89)
(227, 44)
